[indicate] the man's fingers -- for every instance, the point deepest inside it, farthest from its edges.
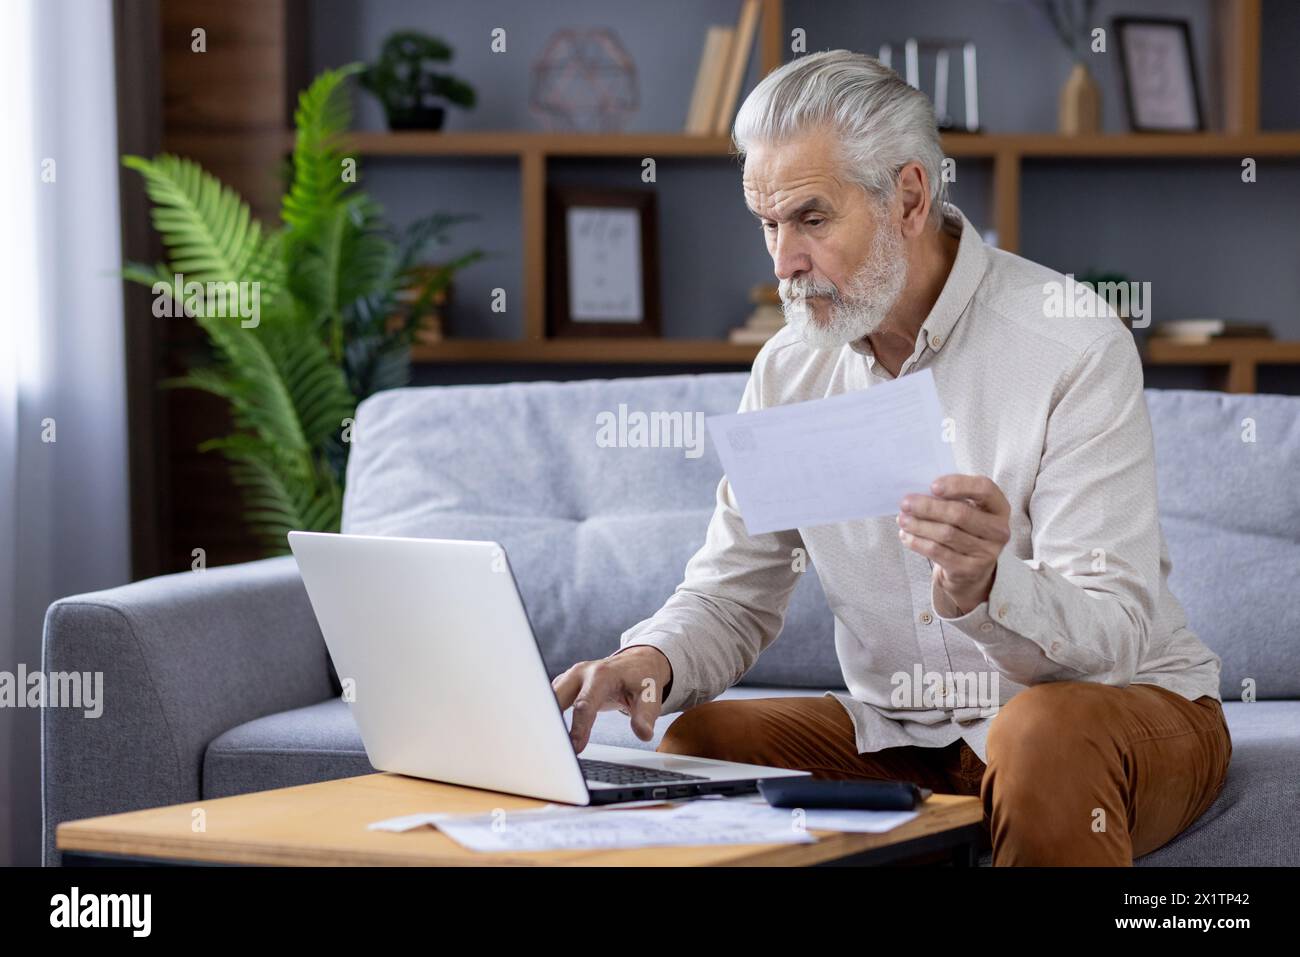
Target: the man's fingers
(643, 710)
(568, 685)
(961, 515)
(601, 690)
(944, 534)
(972, 503)
(590, 687)
(585, 708)
(980, 489)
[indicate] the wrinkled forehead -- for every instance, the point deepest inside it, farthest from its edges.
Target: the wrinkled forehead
(779, 174)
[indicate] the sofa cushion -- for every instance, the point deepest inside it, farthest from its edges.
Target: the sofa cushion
(317, 743)
(1230, 510)
(1252, 822)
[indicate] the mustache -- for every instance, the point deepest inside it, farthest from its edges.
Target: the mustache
(791, 290)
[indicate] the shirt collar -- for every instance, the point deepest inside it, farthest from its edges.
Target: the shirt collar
(967, 272)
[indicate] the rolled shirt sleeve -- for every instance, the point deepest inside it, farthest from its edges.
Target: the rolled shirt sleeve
(731, 603)
(1083, 607)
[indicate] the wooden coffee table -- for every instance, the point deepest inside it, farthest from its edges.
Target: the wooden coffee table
(325, 824)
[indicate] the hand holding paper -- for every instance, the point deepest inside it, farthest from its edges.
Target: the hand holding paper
(962, 528)
(846, 457)
(865, 454)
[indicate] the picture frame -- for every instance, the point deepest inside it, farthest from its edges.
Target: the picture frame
(603, 267)
(1161, 89)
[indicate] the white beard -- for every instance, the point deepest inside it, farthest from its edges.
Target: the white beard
(871, 293)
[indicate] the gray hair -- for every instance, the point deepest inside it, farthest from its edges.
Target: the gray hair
(880, 122)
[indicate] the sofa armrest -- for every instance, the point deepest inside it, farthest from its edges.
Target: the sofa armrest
(184, 658)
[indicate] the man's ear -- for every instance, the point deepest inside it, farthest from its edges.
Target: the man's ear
(914, 192)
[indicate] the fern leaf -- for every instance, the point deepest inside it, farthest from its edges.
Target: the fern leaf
(323, 115)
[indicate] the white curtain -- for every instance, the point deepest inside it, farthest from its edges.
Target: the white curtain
(63, 435)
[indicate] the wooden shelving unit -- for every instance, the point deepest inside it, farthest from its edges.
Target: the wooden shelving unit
(1238, 36)
(963, 145)
(1240, 358)
(615, 350)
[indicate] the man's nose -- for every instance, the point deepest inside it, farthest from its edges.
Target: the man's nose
(789, 256)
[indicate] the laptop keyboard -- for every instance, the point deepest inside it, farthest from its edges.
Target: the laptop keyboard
(607, 772)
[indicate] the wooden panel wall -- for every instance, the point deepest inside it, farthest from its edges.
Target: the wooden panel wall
(226, 108)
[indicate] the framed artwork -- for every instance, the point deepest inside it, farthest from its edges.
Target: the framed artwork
(603, 264)
(1160, 85)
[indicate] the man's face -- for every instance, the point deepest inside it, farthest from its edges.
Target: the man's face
(838, 253)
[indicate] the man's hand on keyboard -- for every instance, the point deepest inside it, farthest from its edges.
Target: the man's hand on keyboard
(632, 680)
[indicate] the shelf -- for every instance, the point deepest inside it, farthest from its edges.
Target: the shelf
(1241, 356)
(976, 145)
(547, 144)
(1262, 351)
(1123, 145)
(649, 351)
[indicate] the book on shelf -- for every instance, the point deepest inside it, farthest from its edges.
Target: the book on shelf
(721, 73)
(742, 43)
(708, 81)
(1201, 331)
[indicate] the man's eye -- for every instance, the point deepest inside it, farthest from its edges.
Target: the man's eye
(813, 222)
(769, 226)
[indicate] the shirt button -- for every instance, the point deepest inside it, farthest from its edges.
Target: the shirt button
(934, 341)
(1056, 646)
(1002, 611)
(926, 618)
(987, 626)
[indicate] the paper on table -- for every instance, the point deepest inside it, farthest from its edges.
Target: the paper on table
(836, 459)
(814, 819)
(409, 822)
(564, 829)
(728, 821)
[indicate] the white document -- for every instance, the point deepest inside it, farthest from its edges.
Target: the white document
(837, 459)
(717, 821)
(569, 829)
(409, 822)
(757, 810)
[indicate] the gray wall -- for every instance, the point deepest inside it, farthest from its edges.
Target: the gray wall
(1209, 244)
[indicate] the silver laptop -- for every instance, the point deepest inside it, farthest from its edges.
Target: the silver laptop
(445, 679)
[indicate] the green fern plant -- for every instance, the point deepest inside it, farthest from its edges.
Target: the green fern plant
(331, 329)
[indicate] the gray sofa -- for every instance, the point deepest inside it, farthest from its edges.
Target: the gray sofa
(217, 682)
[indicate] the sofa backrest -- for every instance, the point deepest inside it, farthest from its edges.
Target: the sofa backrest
(598, 536)
(1228, 481)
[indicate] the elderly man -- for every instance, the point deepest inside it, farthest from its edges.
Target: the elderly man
(1042, 565)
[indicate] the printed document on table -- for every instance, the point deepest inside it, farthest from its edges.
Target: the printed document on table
(836, 459)
(554, 829)
(718, 821)
(850, 820)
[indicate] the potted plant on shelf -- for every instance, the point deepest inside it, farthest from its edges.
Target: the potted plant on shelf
(406, 82)
(334, 326)
(1079, 109)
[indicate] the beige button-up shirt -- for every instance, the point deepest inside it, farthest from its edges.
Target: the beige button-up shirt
(1052, 410)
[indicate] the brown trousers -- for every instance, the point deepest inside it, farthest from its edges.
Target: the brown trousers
(1079, 773)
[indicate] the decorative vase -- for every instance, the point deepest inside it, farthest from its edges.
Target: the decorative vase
(1080, 106)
